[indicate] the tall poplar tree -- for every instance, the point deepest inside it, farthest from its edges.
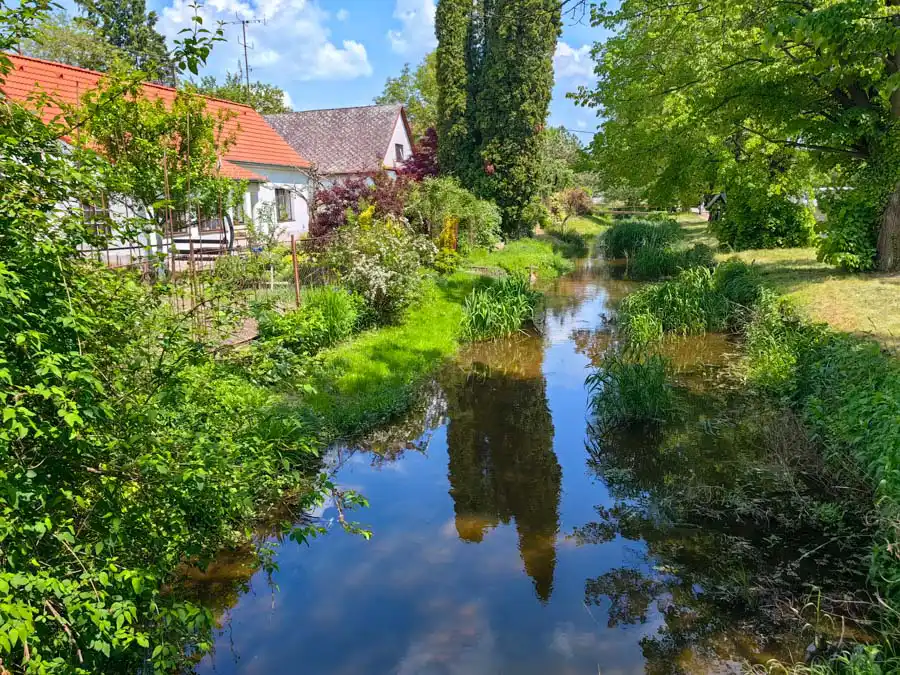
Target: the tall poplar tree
(495, 79)
(516, 83)
(452, 23)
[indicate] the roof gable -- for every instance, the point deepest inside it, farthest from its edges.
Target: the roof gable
(254, 140)
(341, 140)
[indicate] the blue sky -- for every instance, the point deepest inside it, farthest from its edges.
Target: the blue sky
(334, 53)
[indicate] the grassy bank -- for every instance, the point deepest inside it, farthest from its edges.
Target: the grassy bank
(521, 256)
(863, 304)
(371, 377)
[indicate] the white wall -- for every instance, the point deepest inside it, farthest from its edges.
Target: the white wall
(293, 180)
(399, 136)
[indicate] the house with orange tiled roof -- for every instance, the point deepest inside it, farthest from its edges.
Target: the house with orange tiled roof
(277, 176)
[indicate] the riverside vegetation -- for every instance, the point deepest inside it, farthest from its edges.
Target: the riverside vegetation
(134, 446)
(832, 400)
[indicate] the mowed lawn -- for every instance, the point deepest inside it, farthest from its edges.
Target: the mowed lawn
(864, 304)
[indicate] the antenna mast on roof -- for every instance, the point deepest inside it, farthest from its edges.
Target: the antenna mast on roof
(244, 23)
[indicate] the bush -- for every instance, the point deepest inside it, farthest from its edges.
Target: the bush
(697, 301)
(626, 237)
(327, 316)
(851, 230)
(350, 195)
(626, 390)
(436, 201)
(764, 221)
(499, 308)
(650, 262)
(568, 243)
(447, 261)
(380, 260)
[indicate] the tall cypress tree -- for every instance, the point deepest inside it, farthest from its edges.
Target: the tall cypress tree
(513, 101)
(452, 28)
(495, 79)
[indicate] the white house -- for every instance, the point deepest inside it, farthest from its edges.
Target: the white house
(348, 142)
(277, 176)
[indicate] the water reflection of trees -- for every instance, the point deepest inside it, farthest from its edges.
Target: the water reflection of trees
(739, 521)
(501, 461)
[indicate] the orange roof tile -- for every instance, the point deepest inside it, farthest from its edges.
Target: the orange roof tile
(229, 170)
(254, 140)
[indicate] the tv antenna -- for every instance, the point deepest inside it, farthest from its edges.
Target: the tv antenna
(243, 23)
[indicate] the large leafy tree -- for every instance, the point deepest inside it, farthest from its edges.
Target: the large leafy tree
(129, 27)
(60, 39)
(267, 99)
(417, 91)
(495, 75)
(816, 77)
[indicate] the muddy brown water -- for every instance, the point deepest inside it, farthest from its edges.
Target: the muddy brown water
(501, 543)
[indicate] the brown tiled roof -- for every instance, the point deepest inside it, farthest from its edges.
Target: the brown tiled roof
(341, 140)
(254, 140)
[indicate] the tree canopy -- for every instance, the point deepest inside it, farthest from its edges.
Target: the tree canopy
(267, 99)
(495, 78)
(127, 26)
(687, 89)
(417, 91)
(59, 38)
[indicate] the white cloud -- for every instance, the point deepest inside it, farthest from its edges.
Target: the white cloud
(342, 14)
(573, 63)
(416, 33)
(581, 124)
(295, 36)
(287, 100)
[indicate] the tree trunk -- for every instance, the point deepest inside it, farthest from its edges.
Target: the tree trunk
(888, 248)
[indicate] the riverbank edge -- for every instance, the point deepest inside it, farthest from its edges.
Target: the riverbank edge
(846, 390)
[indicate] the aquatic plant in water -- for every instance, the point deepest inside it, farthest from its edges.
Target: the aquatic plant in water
(499, 308)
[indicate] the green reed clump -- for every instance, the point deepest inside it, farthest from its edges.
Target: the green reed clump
(653, 262)
(629, 388)
(626, 237)
(696, 301)
(499, 308)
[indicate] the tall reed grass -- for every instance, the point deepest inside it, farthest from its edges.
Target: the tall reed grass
(626, 237)
(628, 387)
(499, 308)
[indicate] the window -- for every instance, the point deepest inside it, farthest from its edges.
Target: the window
(284, 204)
(97, 215)
(398, 151)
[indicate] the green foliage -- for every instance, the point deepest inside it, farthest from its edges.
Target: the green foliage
(452, 25)
(499, 308)
(628, 389)
(131, 29)
(60, 39)
(266, 99)
(627, 236)
(569, 243)
(326, 316)
(848, 390)
(697, 301)
(380, 260)
(651, 262)
(522, 257)
(447, 261)
(376, 375)
(495, 76)
(763, 220)
(851, 237)
(417, 91)
(434, 202)
(698, 100)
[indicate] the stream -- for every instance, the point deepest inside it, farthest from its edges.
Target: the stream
(508, 538)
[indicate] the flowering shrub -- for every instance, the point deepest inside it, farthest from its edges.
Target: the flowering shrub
(379, 259)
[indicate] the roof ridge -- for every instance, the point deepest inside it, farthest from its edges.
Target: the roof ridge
(346, 107)
(144, 83)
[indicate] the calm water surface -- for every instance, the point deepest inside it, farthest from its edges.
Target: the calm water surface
(498, 545)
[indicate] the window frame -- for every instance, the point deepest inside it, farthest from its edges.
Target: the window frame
(98, 217)
(284, 193)
(399, 152)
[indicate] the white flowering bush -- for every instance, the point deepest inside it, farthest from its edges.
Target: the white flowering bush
(380, 260)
